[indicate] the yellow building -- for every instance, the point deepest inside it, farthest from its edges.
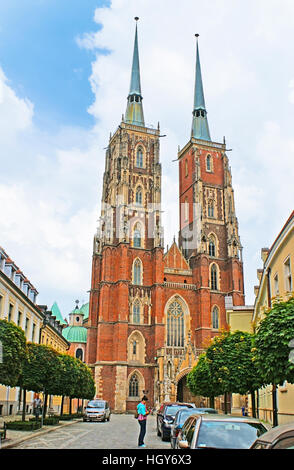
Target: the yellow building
(276, 281)
(18, 305)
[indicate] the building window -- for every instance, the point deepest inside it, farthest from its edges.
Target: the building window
(134, 386)
(215, 318)
(139, 159)
(175, 325)
(137, 237)
(186, 168)
(10, 311)
(276, 284)
(26, 325)
(288, 277)
(139, 197)
(79, 354)
(137, 272)
(19, 318)
(208, 163)
(134, 347)
(136, 312)
(211, 247)
(210, 209)
(33, 332)
(213, 277)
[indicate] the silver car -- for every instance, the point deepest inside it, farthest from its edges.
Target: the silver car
(97, 410)
(214, 431)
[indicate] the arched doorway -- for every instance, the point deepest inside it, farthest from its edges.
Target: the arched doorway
(183, 392)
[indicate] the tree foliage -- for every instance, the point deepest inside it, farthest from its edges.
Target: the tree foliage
(200, 380)
(231, 358)
(14, 353)
(273, 336)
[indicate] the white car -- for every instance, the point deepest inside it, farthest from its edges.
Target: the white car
(97, 410)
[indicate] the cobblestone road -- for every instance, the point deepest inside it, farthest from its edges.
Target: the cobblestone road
(120, 433)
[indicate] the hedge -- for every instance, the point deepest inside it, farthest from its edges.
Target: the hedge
(24, 425)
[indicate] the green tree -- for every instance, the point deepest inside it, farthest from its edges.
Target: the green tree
(232, 363)
(41, 373)
(201, 382)
(14, 353)
(273, 335)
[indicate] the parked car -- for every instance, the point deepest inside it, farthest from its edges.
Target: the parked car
(279, 437)
(207, 431)
(180, 418)
(97, 410)
(166, 415)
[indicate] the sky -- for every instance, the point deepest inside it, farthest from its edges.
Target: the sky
(64, 78)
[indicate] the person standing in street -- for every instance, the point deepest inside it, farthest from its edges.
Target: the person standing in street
(142, 420)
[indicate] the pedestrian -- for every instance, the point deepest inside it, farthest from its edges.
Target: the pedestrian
(142, 420)
(37, 406)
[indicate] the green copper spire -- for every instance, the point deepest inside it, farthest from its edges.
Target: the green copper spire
(200, 129)
(134, 112)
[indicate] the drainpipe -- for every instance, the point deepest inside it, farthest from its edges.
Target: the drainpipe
(269, 295)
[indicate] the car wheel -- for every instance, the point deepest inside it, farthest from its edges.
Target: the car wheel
(164, 437)
(158, 432)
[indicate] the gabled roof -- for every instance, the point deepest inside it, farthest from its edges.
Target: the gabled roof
(174, 259)
(57, 314)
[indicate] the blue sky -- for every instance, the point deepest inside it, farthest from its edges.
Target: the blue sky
(64, 79)
(39, 54)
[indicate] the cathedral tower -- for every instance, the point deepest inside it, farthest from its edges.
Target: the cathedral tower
(209, 234)
(127, 269)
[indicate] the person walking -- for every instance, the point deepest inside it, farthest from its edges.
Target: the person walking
(142, 420)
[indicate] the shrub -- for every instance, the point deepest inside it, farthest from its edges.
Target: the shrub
(24, 425)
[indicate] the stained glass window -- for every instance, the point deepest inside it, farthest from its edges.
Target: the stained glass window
(175, 325)
(134, 386)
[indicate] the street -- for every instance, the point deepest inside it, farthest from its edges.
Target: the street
(120, 433)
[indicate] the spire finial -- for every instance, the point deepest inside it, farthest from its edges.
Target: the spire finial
(200, 129)
(136, 18)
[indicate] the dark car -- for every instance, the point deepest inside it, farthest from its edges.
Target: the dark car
(166, 415)
(214, 431)
(180, 419)
(97, 410)
(279, 437)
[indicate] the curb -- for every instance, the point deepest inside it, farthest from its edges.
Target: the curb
(38, 433)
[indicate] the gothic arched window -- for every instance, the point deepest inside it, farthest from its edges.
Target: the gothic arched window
(208, 163)
(134, 386)
(139, 158)
(210, 209)
(215, 318)
(175, 325)
(135, 347)
(79, 354)
(213, 277)
(211, 247)
(137, 272)
(139, 197)
(137, 236)
(136, 312)
(186, 167)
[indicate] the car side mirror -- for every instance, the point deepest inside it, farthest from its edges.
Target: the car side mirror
(183, 445)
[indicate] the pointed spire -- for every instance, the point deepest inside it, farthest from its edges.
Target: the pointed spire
(200, 129)
(134, 112)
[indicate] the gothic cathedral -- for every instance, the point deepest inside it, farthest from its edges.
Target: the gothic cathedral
(153, 312)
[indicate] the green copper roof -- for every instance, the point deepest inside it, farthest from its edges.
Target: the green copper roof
(57, 314)
(75, 334)
(85, 310)
(200, 129)
(134, 113)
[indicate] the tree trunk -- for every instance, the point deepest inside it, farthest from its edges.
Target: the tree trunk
(226, 402)
(61, 407)
(70, 405)
(19, 398)
(257, 403)
(211, 402)
(24, 405)
(253, 406)
(45, 404)
(275, 409)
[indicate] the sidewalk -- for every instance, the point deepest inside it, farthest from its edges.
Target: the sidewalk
(16, 437)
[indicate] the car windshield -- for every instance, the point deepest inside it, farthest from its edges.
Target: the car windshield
(96, 404)
(183, 415)
(228, 434)
(172, 409)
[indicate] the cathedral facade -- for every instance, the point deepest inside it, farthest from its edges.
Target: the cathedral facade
(152, 312)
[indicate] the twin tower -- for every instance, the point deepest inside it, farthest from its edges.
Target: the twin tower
(153, 312)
